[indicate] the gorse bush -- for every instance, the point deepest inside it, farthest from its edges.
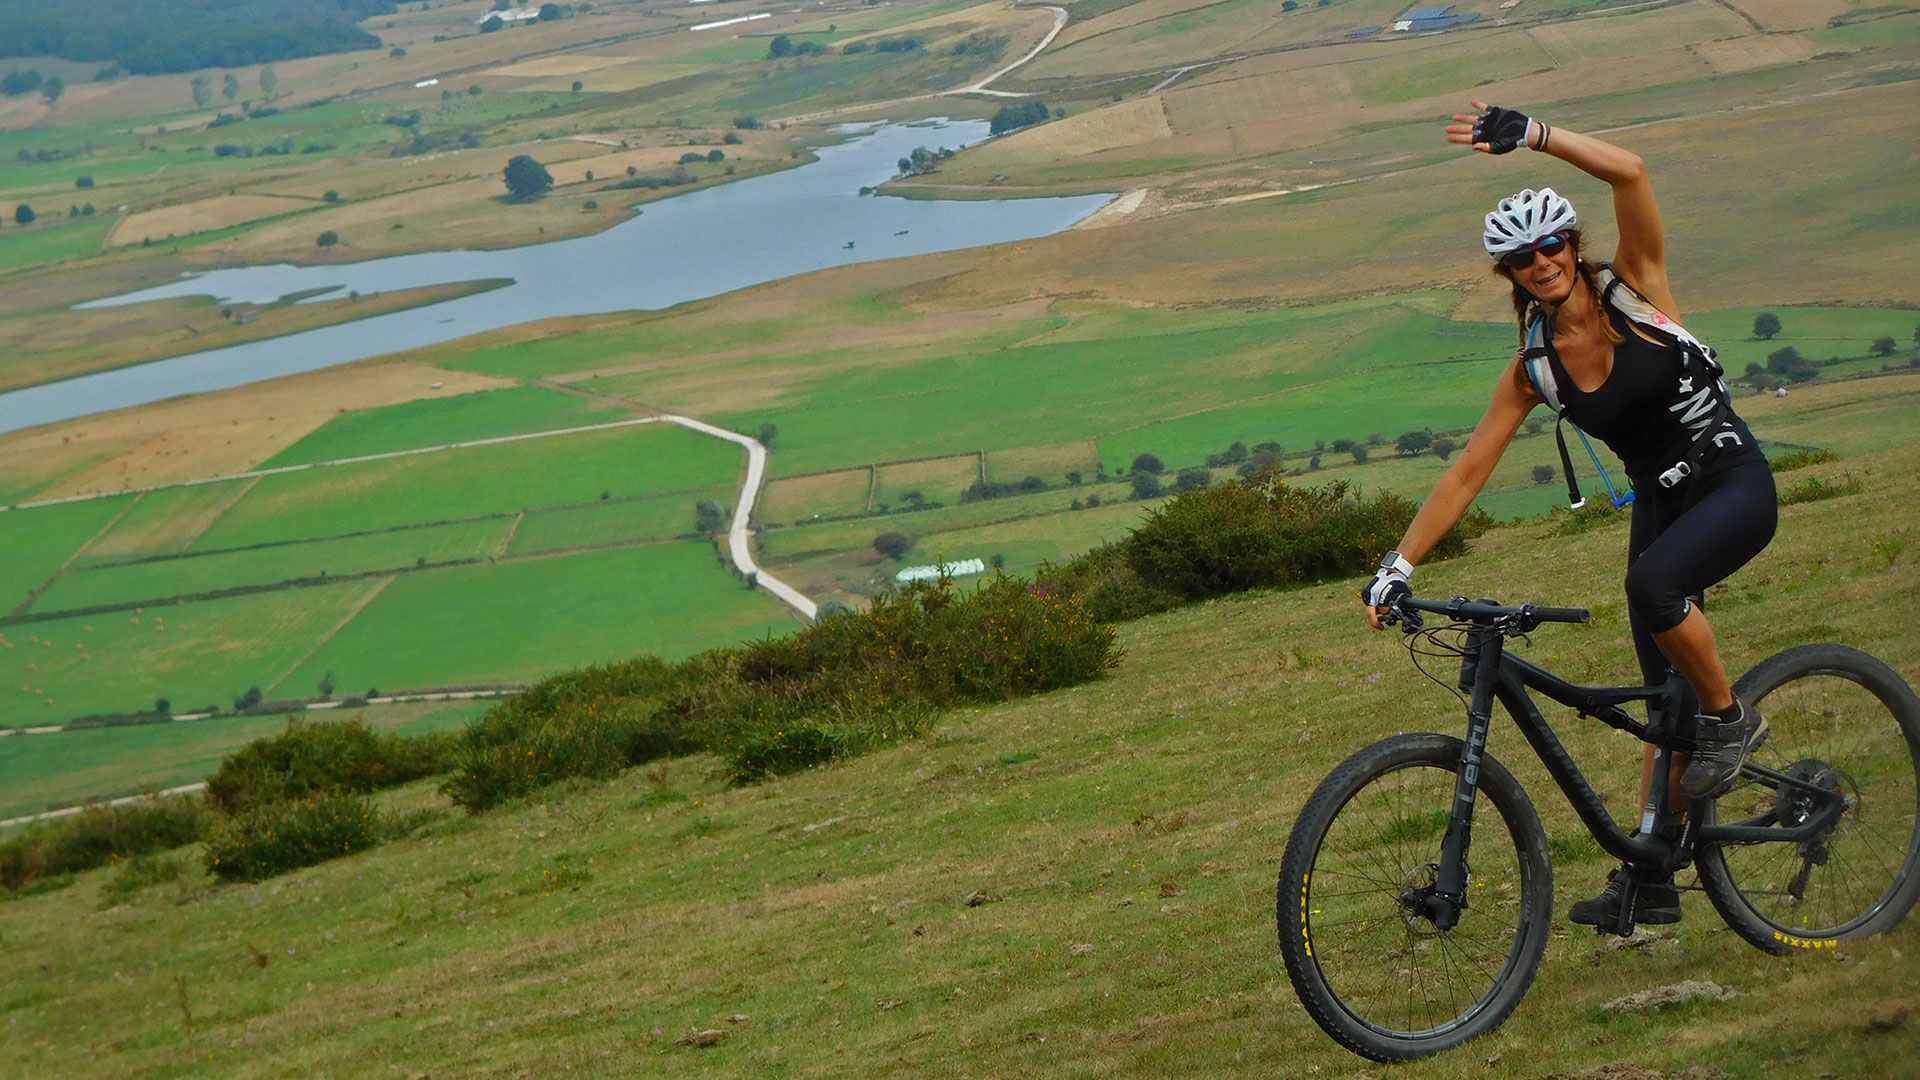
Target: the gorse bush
(97, 836)
(276, 837)
(1258, 532)
(839, 687)
(314, 757)
(1799, 459)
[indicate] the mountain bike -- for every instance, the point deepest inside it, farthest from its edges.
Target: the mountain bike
(1416, 892)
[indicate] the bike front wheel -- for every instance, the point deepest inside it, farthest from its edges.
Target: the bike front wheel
(1371, 969)
(1841, 720)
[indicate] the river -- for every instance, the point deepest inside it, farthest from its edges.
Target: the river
(690, 246)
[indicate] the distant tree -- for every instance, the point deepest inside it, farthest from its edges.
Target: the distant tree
(1146, 484)
(24, 214)
(1191, 478)
(397, 52)
(832, 609)
(1543, 474)
(1360, 454)
(1149, 463)
(1074, 476)
(326, 685)
(1443, 448)
(527, 178)
(1031, 484)
(578, 86)
(327, 239)
(83, 182)
(893, 545)
(1342, 446)
(331, 196)
(913, 500)
(730, 139)
(269, 80)
(230, 86)
(492, 24)
(768, 432)
(1289, 5)
(475, 90)
(745, 123)
(1535, 425)
(1790, 363)
(551, 12)
(1881, 347)
(20, 82)
(1765, 325)
(1015, 117)
(1314, 463)
(709, 517)
(780, 46)
(715, 157)
(202, 89)
(163, 706)
(249, 699)
(1413, 443)
(53, 88)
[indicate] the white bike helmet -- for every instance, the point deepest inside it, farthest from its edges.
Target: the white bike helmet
(1527, 218)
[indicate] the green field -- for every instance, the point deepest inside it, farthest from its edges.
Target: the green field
(43, 771)
(192, 574)
(40, 541)
(615, 522)
(519, 620)
(481, 480)
(438, 421)
(192, 654)
(162, 522)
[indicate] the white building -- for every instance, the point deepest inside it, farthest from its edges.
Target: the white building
(511, 15)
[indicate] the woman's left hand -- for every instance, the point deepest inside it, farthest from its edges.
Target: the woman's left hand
(1466, 128)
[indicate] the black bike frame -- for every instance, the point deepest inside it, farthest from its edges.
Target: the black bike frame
(1492, 674)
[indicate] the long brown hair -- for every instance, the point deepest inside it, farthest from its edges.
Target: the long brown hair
(1525, 304)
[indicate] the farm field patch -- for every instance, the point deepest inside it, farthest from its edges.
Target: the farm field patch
(939, 479)
(193, 654)
(478, 480)
(627, 521)
(517, 621)
(200, 573)
(163, 522)
(439, 421)
(39, 541)
(792, 498)
(203, 215)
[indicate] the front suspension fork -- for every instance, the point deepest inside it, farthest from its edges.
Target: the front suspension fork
(1449, 897)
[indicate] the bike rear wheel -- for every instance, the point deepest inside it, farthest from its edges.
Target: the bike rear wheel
(1372, 972)
(1843, 720)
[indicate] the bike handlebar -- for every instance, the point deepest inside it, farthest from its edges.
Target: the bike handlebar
(1513, 619)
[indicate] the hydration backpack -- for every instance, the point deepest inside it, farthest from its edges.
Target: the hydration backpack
(1705, 411)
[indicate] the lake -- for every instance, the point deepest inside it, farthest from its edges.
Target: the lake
(683, 248)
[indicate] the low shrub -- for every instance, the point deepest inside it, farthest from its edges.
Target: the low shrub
(97, 836)
(277, 837)
(1799, 459)
(1594, 515)
(316, 757)
(1814, 489)
(137, 873)
(839, 687)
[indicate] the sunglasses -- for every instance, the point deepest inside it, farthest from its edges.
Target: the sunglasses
(1548, 246)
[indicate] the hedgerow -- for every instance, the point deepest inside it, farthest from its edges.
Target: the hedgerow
(318, 757)
(97, 836)
(273, 838)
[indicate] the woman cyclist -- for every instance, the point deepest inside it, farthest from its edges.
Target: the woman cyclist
(1704, 497)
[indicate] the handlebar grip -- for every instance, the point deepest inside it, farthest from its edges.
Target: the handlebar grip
(1561, 614)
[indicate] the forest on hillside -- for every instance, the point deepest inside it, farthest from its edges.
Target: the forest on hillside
(148, 37)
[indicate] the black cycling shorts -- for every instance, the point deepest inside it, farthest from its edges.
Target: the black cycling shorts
(1688, 539)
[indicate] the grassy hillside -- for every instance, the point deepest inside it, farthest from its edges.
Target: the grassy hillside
(1068, 885)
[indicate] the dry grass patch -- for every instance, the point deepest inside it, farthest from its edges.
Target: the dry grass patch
(1128, 123)
(1792, 14)
(228, 431)
(1259, 99)
(550, 66)
(939, 479)
(202, 215)
(794, 498)
(1641, 32)
(1049, 463)
(1726, 57)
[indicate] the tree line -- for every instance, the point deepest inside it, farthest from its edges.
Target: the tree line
(148, 37)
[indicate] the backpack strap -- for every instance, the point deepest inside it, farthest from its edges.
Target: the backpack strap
(1534, 361)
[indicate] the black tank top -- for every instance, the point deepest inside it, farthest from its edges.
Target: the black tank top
(1638, 410)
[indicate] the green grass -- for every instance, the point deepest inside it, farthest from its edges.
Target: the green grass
(162, 522)
(39, 541)
(59, 770)
(192, 654)
(437, 421)
(195, 574)
(615, 522)
(48, 243)
(1817, 332)
(521, 620)
(480, 480)
(1140, 815)
(1132, 380)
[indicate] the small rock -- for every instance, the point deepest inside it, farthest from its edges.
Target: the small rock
(1168, 888)
(1639, 939)
(1126, 901)
(980, 896)
(1033, 1037)
(813, 827)
(920, 931)
(888, 1004)
(737, 1018)
(1079, 950)
(1662, 996)
(710, 1037)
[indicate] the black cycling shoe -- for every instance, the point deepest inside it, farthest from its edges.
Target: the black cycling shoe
(1656, 903)
(1722, 747)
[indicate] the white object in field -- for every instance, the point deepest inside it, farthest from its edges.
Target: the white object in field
(730, 22)
(934, 573)
(425, 83)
